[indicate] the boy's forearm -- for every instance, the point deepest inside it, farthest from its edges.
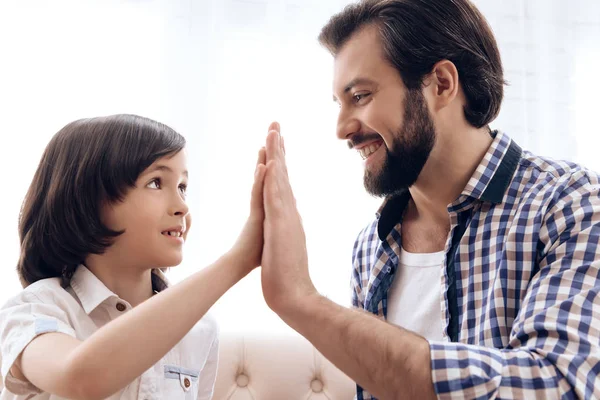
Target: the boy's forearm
(123, 349)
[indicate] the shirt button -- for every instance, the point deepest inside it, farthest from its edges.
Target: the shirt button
(186, 383)
(121, 307)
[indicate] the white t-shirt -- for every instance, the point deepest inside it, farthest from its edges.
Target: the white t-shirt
(187, 371)
(414, 301)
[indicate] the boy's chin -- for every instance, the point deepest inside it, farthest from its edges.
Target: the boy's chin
(168, 262)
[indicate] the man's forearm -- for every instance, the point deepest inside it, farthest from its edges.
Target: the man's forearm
(389, 362)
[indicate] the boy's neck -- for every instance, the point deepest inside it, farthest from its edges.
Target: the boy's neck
(129, 283)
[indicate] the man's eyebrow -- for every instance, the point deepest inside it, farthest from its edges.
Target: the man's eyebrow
(358, 81)
(355, 82)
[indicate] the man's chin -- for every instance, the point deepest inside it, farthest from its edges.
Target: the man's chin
(383, 186)
(373, 185)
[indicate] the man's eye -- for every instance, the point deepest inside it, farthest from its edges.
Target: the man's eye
(360, 96)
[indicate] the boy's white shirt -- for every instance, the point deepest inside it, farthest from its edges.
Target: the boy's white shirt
(188, 371)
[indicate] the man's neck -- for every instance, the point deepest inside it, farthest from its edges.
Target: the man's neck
(447, 171)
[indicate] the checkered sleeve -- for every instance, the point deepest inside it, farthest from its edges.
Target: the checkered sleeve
(554, 346)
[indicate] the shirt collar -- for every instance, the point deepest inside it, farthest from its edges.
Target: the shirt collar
(492, 177)
(92, 292)
(488, 183)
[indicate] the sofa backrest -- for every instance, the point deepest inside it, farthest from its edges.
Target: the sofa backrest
(277, 367)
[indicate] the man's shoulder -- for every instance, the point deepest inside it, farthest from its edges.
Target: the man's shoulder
(555, 187)
(558, 172)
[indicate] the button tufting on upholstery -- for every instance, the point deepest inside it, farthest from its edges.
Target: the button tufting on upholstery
(242, 380)
(316, 385)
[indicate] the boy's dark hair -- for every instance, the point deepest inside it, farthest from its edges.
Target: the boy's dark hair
(416, 34)
(88, 163)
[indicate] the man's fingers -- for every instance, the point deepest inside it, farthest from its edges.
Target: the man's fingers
(273, 146)
(271, 193)
(276, 148)
(275, 126)
(278, 191)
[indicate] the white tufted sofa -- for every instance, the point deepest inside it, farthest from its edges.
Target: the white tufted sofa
(277, 367)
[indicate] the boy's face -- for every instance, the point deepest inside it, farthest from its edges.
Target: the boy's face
(154, 215)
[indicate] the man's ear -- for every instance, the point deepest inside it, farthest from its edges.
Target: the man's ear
(442, 84)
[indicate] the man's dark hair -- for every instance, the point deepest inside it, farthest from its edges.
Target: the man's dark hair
(416, 34)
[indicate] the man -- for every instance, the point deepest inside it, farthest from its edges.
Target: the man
(480, 273)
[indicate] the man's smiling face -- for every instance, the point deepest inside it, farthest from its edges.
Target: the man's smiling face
(390, 126)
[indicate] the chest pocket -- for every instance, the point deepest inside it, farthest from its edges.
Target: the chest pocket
(180, 383)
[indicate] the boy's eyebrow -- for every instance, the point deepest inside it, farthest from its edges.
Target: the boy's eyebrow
(164, 168)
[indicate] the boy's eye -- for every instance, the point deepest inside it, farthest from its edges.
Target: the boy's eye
(154, 183)
(183, 188)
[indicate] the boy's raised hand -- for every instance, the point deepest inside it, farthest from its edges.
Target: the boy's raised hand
(249, 244)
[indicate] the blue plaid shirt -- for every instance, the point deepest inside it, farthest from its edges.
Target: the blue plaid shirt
(519, 287)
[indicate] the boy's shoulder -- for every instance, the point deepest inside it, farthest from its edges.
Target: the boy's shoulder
(47, 290)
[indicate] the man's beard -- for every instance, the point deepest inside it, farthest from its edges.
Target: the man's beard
(410, 150)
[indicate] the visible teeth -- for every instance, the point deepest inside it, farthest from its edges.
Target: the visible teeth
(174, 233)
(366, 151)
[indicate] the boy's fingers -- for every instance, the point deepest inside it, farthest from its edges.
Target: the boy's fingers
(262, 156)
(257, 188)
